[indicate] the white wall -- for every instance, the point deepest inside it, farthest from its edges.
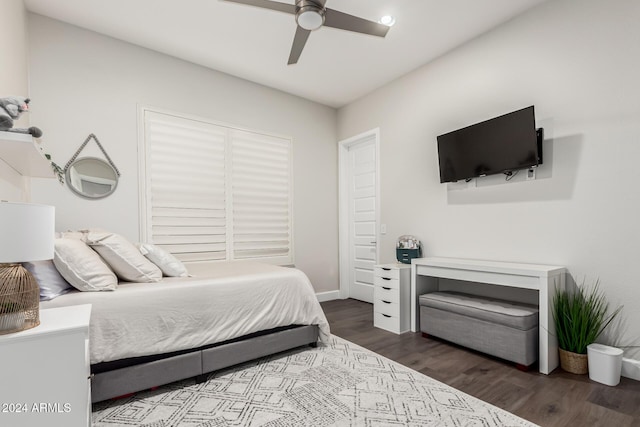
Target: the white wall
(85, 83)
(578, 63)
(13, 82)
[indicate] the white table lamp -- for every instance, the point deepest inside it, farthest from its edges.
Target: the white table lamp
(26, 234)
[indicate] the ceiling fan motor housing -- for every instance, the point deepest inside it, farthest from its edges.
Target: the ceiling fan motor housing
(309, 14)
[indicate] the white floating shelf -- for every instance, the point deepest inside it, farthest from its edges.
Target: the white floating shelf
(20, 151)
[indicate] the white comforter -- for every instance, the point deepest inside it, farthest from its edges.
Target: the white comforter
(232, 300)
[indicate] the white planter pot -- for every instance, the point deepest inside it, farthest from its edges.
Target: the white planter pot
(605, 364)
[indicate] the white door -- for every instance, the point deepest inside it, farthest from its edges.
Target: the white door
(360, 179)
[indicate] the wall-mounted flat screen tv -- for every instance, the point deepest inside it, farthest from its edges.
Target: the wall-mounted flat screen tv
(500, 145)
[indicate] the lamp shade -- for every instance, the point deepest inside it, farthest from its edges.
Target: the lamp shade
(27, 232)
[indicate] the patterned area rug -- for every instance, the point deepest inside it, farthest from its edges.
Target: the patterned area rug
(340, 384)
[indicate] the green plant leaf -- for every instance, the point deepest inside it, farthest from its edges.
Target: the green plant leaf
(581, 316)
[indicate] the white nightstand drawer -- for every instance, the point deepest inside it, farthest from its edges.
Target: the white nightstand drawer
(387, 307)
(387, 322)
(59, 378)
(386, 283)
(386, 294)
(389, 273)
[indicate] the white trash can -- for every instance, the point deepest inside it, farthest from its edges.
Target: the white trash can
(605, 363)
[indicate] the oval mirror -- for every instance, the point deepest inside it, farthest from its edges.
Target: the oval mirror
(91, 177)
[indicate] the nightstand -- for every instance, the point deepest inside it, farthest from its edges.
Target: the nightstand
(391, 297)
(45, 371)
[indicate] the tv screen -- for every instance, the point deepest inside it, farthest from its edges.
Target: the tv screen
(499, 145)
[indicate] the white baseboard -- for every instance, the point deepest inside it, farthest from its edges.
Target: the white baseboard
(631, 368)
(327, 296)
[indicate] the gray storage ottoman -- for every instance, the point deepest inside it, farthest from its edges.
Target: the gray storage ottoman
(505, 329)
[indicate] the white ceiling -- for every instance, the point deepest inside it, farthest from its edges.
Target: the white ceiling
(336, 67)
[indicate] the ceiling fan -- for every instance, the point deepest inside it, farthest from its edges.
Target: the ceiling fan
(311, 15)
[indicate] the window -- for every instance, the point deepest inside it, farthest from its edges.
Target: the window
(213, 192)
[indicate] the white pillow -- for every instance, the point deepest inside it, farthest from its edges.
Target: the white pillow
(82, 267)
(50, 282)
(124, 258)
(78, 235)
(170, 265)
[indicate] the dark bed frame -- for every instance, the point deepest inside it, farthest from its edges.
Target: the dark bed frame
(121, 377)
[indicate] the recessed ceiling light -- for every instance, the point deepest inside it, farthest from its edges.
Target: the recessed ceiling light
(387, 20)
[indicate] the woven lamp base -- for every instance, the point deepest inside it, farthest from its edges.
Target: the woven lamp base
(574, 363)
(19, 299)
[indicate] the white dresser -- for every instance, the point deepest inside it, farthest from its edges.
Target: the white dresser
(391, 297)
(44, 371)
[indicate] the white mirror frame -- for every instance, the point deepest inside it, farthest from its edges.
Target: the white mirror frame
(69, 179)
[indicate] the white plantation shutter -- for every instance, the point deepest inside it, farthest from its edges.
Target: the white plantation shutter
(216, 193)
(261, 193)
(187, 187)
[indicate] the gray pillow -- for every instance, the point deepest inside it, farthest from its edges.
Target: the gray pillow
(51, 283)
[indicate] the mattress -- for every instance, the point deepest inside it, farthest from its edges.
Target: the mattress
(228, 300)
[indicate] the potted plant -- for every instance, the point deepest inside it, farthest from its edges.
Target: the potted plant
(580, 316)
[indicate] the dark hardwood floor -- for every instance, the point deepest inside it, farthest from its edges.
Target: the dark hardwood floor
(559, 399)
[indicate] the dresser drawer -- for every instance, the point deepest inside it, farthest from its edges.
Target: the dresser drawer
(386, 283)
(387, 307)
(391, 305)
(389, 273)
(386, 294)
(387, 322)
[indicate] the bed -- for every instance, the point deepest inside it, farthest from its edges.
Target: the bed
(148, 334)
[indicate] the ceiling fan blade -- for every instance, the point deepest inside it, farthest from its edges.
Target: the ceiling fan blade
(266, 4)
(344, 21)
(299, 41)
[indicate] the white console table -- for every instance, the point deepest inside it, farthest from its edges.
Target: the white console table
(425, 273)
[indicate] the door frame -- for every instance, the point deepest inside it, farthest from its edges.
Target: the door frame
(343, 203)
